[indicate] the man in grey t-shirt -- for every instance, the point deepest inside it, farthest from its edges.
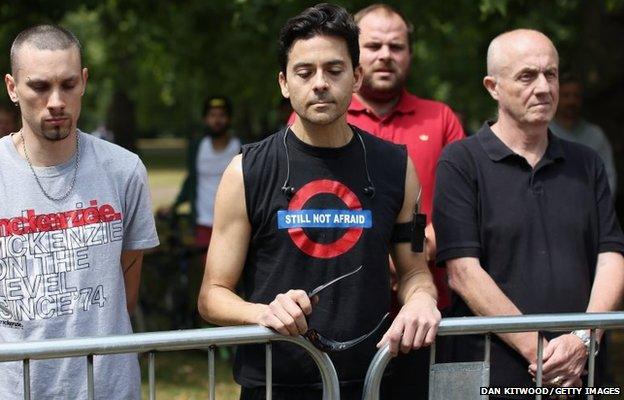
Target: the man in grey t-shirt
(75, 216)
(570, 125)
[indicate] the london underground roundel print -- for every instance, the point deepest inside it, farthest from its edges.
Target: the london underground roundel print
(353, 219)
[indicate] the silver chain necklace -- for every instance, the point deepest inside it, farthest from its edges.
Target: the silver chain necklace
(32, 169)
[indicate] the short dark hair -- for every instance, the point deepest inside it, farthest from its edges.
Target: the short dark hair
(217, 102)
(321, 19)
(389, 10)
(44, 37)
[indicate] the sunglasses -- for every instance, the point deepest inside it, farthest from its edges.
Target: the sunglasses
(329, 345)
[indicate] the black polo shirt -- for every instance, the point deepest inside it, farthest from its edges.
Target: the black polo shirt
(536, 231)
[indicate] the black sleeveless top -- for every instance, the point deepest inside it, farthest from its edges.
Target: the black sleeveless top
(327, 228)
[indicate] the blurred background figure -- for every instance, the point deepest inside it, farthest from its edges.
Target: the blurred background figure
(570, 125)
(8, 119)
(208, 155)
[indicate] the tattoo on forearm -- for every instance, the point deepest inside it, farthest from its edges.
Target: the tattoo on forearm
(132, 264)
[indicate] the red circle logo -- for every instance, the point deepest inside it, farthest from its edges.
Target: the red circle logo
(346, 241)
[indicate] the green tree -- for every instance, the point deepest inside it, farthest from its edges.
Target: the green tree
(153, 62)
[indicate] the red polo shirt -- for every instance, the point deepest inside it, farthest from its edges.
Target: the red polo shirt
(425, 127)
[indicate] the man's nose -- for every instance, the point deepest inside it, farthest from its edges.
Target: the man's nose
(320, 81)
(56, 101)
(384, 52)
(541, 84)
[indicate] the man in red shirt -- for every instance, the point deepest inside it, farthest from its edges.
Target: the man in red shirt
(384, 108)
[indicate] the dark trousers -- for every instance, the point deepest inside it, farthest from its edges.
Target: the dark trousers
(410, 377)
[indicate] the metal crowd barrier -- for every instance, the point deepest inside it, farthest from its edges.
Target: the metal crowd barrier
(166, 341)
(510, 324)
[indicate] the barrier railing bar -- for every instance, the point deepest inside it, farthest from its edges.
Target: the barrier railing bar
(488, 347)
(432, 354)
(144, 342)
(151, 374)
(212, 376)
(526, 323)
(592, 361)
(500, 324)
(540, 362)
(373, 380)
(169, 341)
(26, 378)
(269, 371)
(90, 385)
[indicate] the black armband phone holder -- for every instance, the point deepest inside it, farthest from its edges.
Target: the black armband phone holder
(402, 233)
(419, 222)
(412, 232)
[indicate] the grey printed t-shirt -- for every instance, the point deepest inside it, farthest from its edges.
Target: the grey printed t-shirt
(60, 269)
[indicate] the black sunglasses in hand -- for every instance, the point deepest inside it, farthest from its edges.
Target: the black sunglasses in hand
(329, 345)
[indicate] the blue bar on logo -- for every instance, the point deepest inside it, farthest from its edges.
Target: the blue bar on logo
(312, 218)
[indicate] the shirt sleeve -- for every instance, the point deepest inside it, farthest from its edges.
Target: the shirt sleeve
(610, 237)
(139, 226)
(455, 202)
(454, 130)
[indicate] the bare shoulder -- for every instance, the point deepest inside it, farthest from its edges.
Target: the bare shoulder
(231, 193)
(232, 179)
(235, 168)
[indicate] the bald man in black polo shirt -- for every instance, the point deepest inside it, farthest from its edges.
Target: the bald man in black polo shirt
(524, 220)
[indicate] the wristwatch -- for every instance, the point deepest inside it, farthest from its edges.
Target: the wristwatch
(585, 338)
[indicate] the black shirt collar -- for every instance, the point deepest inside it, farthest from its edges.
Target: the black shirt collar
(329, 152)
(497, 150)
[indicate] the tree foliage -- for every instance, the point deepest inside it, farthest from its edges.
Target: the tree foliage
(152, 62)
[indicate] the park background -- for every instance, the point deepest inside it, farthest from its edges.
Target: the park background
(152, 63)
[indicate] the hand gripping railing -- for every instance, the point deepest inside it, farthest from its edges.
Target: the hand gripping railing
(166, 341)
(507, 324)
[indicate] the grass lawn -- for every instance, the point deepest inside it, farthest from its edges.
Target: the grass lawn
(165, 163)
(184, 375)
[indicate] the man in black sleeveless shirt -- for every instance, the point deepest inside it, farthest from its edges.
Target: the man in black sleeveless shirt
(306, 205)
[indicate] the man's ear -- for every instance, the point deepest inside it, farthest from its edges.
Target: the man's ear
(9, 80)
(491, 85)
(281, 78)
(358, 74)
(85, 77)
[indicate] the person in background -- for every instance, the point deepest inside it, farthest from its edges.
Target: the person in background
(384, 107)
(207, 158)
(570, 125)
